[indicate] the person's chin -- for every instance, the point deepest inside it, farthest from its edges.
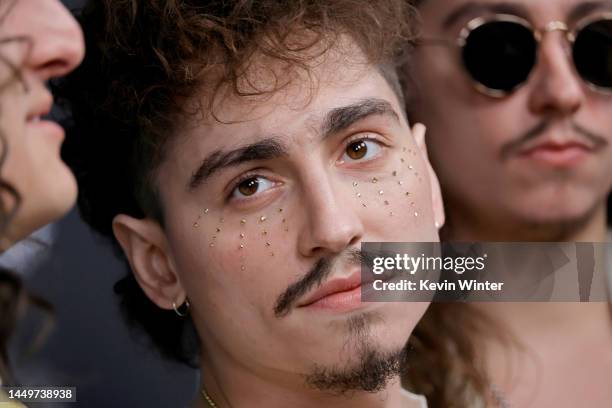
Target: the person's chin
(59, 196)
(554, 211)
(65, 195)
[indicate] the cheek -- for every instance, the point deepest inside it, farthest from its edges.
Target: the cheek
(395, 203)
(20, 156)
(245, 256)
(468, 148)
(240, 241)
(599, 121)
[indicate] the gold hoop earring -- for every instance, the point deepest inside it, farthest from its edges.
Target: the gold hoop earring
(185, 312)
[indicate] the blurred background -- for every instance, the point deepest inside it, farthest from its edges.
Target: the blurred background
(88, 345)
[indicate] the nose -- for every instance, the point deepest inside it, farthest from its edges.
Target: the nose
(557, 90)
(331, 223)
(57, 39)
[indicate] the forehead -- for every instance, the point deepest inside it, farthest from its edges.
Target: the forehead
(537, 11)
(294, 113)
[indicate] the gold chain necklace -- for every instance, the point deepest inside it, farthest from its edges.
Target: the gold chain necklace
(208, 399)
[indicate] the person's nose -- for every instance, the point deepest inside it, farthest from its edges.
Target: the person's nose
(556, 89)
(332, 223)
(56, 37)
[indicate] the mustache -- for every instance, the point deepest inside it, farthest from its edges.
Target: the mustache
(312, 280)
(516, 145)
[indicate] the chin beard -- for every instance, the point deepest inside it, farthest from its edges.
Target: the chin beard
(373, 370)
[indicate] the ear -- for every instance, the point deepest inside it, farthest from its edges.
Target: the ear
(418, 131)
(144, 243)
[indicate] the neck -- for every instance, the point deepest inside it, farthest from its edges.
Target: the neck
(533, 322)
(554, 318)
(466, 226)
(232, 385)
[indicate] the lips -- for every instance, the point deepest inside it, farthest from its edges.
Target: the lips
(41, 106)
(564, 153)
(332, 287)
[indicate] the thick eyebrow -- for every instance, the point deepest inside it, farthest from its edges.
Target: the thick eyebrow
(340, 119)
(473, 8)
(334, 122)
(265, 149)
(585, 8)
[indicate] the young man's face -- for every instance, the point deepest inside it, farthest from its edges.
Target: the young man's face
(539, 155)
(268, 208)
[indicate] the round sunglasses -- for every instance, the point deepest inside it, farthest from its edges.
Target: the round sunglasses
(499, 52)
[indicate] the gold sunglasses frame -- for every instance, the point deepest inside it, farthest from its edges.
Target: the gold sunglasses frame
(538, 35)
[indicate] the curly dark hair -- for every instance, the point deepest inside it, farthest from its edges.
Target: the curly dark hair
(144, 57)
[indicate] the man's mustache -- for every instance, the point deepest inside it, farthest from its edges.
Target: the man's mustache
(313, 279)
(517, 145)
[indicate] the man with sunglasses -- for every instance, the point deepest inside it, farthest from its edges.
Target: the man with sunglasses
(517, 97)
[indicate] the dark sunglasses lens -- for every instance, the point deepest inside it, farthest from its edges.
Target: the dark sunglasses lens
(500, 55)
(593, 53)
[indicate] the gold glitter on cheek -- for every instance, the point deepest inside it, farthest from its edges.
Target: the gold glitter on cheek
(196, 224)
(242, 222)
(263, 218)
(416, 214)
(355, 184)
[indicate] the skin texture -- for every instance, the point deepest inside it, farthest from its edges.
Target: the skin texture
(33, 165)
(489, 196)
(313, 203)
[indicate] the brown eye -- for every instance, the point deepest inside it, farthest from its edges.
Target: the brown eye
(357, 150)
(248, 187)
(251, 187)
(362, 150)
